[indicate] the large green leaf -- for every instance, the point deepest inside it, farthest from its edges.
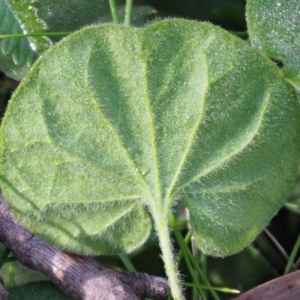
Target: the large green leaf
(113, 122)
(274, 28)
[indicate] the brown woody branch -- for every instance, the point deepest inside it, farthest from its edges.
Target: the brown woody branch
(78, 277)
(82, 278)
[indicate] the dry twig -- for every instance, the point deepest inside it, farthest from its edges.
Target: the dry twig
(78, 277)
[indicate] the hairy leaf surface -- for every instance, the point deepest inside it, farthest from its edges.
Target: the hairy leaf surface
(274, 28)
(114, 122)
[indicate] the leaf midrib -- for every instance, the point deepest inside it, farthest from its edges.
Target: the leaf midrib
(134, 167)
(192, 139)
(157, 197)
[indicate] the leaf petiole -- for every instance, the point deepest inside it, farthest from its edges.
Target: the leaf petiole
(127, 263)
(21, 35)
(292, 256)
(187, 239)
(189, 257)
(114, 11)
(183, 248)
(162, 229)
(128, 11)
(213, 288)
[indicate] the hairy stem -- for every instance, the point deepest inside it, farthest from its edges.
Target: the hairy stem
(162, 229)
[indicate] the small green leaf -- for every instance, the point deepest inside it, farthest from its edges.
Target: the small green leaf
(16, 55)
(29, 16)
(274, 28)
(43, 290)
(25, 13)
(20, 276)
(60, 15)
(114, 122)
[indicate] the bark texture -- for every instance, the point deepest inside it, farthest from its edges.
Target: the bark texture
(79, 277)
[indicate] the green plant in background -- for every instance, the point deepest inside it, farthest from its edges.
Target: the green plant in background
(114, 127)
(30, 27)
